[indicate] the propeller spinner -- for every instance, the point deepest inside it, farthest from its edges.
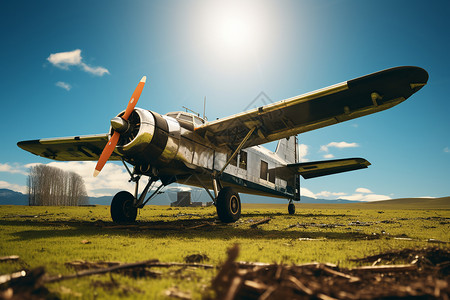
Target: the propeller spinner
(119, 125)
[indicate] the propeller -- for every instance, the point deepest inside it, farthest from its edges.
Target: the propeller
(116, 124)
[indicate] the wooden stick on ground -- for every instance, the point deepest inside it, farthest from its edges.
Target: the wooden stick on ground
(150, 263)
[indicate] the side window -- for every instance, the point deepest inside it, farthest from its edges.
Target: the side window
(243, 160)
(272, 176)
(233, 162)
(264, 170)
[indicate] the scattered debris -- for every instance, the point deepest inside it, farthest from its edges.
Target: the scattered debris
(305, 225)
(260, 222)
(9, 258)
(24, 285)
(177, 226)
(326, 281)
(196, 258)
(27, 216)
(188, 215)
(419, 273)
(428, 256)
(174, 292)
(358, 223)
(138, 269)
(403, 239)
(437, 241)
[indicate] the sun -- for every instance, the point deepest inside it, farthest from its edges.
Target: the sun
(235, 33)
(234, 30)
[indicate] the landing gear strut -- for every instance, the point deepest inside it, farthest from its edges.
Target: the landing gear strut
(124, 205)
(291, 207)
(226, 200)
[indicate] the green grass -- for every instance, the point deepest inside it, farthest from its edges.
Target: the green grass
(54, 238)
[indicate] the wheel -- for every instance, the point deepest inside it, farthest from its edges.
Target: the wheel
(122, 208)
(228, 205)
(291, 208)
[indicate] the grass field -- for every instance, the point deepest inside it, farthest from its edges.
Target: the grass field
(53, 236)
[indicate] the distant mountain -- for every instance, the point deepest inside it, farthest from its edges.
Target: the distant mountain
(9, 197)
(201, 196)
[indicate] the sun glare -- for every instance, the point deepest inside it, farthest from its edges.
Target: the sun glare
(233, 31)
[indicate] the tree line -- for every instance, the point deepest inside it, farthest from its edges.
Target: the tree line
(53, 186)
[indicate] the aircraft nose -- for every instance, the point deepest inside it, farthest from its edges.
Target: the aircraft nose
(120, 125)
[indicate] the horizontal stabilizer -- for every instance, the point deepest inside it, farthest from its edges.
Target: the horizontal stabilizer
(328, 167)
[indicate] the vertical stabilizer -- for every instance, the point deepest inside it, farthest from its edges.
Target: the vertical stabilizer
(287, 149)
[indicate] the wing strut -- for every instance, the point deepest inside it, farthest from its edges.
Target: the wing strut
(236, 151)
(206, 189)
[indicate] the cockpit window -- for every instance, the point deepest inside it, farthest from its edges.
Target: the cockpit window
(185, 118)
(173, 115)
(198, 121)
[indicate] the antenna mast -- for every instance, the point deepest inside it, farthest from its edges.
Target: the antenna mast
(204, 109)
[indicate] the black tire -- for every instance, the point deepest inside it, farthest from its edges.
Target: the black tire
(122, 208)
(291, 208)
(228, 205)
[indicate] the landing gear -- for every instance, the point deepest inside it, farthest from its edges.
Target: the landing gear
(122, 208)
(291, 207)
(228, 205)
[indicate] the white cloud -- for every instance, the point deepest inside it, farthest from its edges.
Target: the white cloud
(328, 156)
(339, 145)
(365, 197)
(15, 187)
(99, 71)
(307, 193)
(326, 194)
(363, 191)
(63, 85)
(303, 151)
(16, 169)
(361, 194)
(447, 150)
(64, 60)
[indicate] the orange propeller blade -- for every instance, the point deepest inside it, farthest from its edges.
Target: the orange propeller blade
(134, 98)
(112, 143)
(107, 151)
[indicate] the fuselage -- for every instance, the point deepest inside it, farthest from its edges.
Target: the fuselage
(168, 146)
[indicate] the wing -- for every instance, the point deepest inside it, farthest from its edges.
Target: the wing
(338, 103)
(76, 148)
(327, 167)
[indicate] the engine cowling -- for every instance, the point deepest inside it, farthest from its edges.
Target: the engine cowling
(150, 139)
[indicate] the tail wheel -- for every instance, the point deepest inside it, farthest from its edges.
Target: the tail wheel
(228, 205)
(122, 208)
(291, 208)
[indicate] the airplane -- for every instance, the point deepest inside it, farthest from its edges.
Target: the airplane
(225, 156)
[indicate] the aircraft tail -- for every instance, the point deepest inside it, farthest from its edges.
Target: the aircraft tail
(287, 149)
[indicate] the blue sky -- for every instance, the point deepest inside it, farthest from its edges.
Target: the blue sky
(229, 51)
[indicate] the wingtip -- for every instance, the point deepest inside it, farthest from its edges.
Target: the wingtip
(96, 172)
(143, 79)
